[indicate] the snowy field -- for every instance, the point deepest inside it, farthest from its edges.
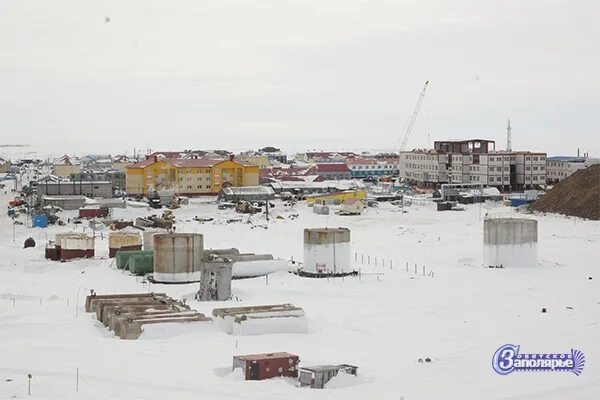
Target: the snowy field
(383, 322)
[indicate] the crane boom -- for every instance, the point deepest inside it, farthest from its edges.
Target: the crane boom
(413, 118)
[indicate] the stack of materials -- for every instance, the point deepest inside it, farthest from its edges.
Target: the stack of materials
(127, 314)
(256, 320)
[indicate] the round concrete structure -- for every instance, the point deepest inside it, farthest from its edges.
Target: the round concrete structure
(510, 242)
(215, 282)
(178, 257)
(327, 250)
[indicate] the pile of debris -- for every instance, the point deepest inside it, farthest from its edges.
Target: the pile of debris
(165, 221)
(126, 314)
(578, 195)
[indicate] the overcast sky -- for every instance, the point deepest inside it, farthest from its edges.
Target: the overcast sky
(310, 74)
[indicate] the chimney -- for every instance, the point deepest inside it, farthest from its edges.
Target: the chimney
(155, 158)
(577, 153)
(231, 156)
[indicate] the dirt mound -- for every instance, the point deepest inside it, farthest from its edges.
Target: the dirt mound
(578, 195)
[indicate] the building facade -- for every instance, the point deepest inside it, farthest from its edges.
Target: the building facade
(473, 161)
(334, 171)
(560, 167)
(191, 177)
(69, 188)
(4, 166)
(65, 166)
(365, 167)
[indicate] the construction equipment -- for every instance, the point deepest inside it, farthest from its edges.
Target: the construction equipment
(413, 118)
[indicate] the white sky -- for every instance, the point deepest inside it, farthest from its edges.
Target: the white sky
(304, 74)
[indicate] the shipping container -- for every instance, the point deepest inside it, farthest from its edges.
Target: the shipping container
(258, 367)
(97, 212)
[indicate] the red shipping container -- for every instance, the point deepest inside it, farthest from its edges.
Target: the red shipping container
(101, 212)
(257, 367)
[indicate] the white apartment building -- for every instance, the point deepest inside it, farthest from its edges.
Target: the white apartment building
(424, 166)
(560, 167)
(473, 161)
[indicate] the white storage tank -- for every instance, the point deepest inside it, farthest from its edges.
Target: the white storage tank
(178, 257)
(327, 250)
(510, 242)
(76, 245)
(123, 241)
(215, 283)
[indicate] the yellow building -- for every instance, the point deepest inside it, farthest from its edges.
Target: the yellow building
(4, 165)
(336, 197)
(66, 166)
(191, 177)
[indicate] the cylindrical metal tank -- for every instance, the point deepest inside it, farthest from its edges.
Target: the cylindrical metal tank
(215, 282)
(178, 257)
(123, 241)
(327, 250)
(149, 237)
(76, 245)
(510, 242)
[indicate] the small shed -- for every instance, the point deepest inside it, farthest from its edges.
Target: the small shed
(316, 377)
(352, 207)
(258, 367)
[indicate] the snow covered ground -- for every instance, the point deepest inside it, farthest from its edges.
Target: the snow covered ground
(383, 322)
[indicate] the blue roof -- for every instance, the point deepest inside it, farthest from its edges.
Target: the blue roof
(566, 158)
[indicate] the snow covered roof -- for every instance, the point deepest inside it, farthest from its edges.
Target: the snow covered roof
(248, 190)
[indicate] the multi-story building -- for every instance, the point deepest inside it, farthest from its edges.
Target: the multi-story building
(189, 176)
(560, 167)
(364, 167)
(473, 161)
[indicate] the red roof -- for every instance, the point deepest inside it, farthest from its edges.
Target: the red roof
(333, 167)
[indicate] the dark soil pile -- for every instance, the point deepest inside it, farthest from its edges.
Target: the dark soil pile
(578, 195)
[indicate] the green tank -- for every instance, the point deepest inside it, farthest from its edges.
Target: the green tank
(141, 264)
(123, 256)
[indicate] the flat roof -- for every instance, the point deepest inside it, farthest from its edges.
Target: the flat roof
(263, 356)
(566, 158)
(318, 368)
(326, 230)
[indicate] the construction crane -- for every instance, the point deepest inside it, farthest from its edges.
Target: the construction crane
(413, 118)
